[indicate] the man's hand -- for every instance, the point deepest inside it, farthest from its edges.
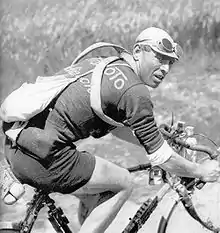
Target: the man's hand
(210, 171)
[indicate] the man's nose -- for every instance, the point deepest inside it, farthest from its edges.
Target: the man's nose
(165, 68)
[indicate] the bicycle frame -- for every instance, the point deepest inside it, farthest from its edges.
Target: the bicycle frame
(55, 215)
(145, 210)
(60, 222)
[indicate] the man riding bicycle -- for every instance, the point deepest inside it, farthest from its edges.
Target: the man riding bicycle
(44, 155)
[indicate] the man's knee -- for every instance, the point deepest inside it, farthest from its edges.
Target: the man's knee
(112, 175)
(124, 180)
(107, 177)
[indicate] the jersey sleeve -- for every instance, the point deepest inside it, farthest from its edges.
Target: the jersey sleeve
(137, 107)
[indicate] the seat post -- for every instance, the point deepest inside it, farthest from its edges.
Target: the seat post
(57, 217)
(34, 207)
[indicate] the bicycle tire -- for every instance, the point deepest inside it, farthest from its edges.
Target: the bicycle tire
(164, 220)
(162, 228)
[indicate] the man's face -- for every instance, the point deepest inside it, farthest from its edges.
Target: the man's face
(154, 67)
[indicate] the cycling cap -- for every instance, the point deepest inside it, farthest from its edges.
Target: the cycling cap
(160, 41)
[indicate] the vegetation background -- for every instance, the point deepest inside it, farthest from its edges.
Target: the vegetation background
(41, 37)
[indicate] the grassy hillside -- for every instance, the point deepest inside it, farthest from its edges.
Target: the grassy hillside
(40, 37)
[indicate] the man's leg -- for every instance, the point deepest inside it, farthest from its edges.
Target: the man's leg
(103, 196)
(89, 201)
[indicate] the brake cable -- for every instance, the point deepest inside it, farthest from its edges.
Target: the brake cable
(188, 205)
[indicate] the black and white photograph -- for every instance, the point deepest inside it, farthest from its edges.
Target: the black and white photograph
(109, 116)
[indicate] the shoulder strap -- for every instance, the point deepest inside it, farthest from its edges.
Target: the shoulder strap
(95, 94)
(98, 45)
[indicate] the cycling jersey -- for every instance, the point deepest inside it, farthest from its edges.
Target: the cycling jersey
(46, 145)
(125, 98)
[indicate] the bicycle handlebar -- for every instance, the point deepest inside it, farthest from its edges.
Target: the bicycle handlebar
(182, 188)
(200, 148)
(183, 194)
(140, 167)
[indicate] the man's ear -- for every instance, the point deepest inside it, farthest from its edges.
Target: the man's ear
(136, 52)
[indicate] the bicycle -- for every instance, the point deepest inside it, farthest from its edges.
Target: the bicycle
(183, 186)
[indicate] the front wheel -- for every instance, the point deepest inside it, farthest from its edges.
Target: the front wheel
(165, 219)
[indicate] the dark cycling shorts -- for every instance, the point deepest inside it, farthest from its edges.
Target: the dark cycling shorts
(68, 172)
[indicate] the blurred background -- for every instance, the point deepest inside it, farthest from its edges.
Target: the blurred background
(41, 37)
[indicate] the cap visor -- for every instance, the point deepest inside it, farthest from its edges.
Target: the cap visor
(173, 55)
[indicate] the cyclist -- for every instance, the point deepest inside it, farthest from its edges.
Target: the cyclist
(45, 156)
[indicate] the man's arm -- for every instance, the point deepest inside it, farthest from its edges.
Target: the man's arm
(169, 160)
(181, 166)
(175, 163)
(138, 109)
